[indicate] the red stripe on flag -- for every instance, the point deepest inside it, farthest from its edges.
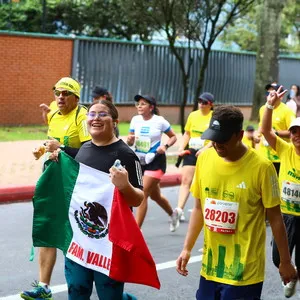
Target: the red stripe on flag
(131, 259)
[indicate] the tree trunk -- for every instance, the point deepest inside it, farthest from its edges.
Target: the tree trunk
(183, 102)
(269, 29)
(201, 78)
(44, 15)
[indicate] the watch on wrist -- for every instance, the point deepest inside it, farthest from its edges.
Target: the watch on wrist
(269, 106)
(167, 146)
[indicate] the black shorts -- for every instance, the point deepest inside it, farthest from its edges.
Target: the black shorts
(190, 159)
(158, 163)
(292, 225)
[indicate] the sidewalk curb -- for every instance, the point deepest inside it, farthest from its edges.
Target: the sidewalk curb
(25, 193)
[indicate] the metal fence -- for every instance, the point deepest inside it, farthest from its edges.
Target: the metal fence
(128, 68)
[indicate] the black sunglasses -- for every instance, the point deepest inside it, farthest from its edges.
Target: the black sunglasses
(57, 93)
(204, 102)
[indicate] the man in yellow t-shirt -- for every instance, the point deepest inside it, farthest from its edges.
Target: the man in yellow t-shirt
(67, 128)
(282, 118)
(289, 182)
(232, 195)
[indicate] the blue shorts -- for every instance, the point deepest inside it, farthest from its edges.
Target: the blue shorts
(211, 290)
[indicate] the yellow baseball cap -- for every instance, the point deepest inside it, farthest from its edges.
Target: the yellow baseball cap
(69, 84)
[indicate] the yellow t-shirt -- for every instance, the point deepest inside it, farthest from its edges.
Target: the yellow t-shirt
(289, 177)
(233, 198)
(196, 124)
(247, 142)
(53, 106)
(70, 130)
(281, 120)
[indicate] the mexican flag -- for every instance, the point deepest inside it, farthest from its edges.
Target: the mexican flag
(78, 210)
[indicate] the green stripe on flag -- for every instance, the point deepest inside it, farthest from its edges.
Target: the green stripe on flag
(51, 202)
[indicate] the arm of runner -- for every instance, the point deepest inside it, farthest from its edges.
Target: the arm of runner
(286, 269)
(266, 126)
(130, 139)
(283, 133)
(170, 142)
(45, 110)
(132, 195)
(209, 145)
(194, 229)
(185, 140)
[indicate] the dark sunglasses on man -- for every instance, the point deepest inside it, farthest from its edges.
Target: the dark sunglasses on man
(57, 93)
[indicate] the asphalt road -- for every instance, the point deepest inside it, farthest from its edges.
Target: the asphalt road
(17, 272)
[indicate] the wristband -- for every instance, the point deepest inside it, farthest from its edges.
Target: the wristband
(62, 147)
(269, 106)
(167, 146)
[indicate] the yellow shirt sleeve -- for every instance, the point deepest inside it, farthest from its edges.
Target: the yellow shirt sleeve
(270, 187)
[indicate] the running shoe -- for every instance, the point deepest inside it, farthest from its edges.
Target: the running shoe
(289, 289)
(182, 217)
(174, 219)
(127, 296)
(38, 292)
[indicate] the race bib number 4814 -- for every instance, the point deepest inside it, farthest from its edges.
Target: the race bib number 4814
(220, 215)
(290, 192)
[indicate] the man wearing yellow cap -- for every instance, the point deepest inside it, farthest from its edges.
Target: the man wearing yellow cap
(67, 129)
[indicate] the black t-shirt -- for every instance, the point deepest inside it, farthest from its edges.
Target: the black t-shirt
(102, 158)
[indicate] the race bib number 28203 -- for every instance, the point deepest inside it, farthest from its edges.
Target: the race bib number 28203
(220, 215)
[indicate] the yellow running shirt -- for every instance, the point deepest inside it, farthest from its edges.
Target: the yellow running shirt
(196, 124)
(247, 142)
(289, 178)
(71, 129)
(281, 120)
(234, 196)
(53, 106)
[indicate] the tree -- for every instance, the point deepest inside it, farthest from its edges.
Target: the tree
(198, 22)
(244, 31)
(175, 18)
(268, 50)
(215, 15)
(97, 18)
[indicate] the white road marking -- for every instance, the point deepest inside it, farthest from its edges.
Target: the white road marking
(172, 263)
(63, 287)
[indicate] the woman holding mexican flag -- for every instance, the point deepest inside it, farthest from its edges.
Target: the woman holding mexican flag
(101, 239)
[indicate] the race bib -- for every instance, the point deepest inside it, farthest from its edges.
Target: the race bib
(290, 192)
(220, 215)
(143, 144)
(196, 143)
